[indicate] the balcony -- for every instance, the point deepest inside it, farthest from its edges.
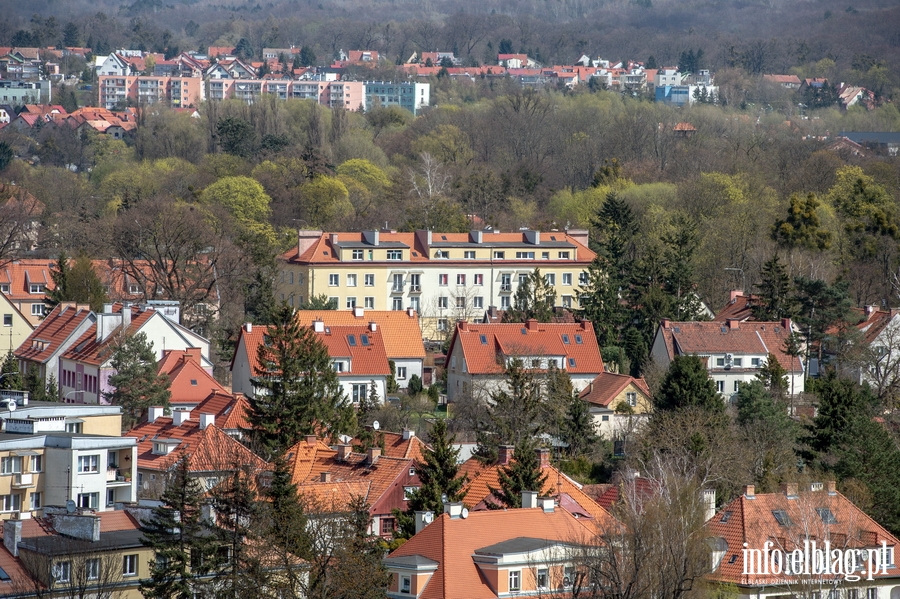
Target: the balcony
(505, 287)
(23, 481)
(397, 289)
(415, 289)
(118, 477)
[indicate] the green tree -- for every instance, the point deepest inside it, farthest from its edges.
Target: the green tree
(11, 377)
(71, 35)
(136, 385)
(319, 302)
(514, 414)
(299, 393)
(325, 199)
(414, 387)
(803, 226)
(182, 539)
(287, 522)
(307, 56)
(773, 375)
(236, 136)
(840, 401)
(687, 383)
(820, 306)
(534, 298)
(76, 282)
(35, 385)
(357, 571)
(6, 155)
(438, 478)
(680, 249)
(522, 474)
(578, 429)
(775, 294)
(237, 515)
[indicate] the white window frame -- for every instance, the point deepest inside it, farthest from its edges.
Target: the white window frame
(129, 564)
(351, 280)
(401, 373)
(550, 278)
(369, 302)
(37, 309)
(35, 500)
(11, 465)
(405, 584)
(89, 500)
(62, 572)
(359, 392)
(515, 580)
(443, 279)
(35, 288)
(369, 280)
(443, 302)
(37, 463)
(479, 279)
(720, 386)
(478, 302)
(334, 280)
(11, 502)
(461, 279)
(631, 398)
(397, 303)
(7, 318)
(351, 302)
(92, 568)
(357, 255)
(89, 464)
(567, 278)
(395, 254)
(469, 255)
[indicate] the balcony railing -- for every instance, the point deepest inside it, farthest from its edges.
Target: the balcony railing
(415, 289)
(23, 480)
(506, 287)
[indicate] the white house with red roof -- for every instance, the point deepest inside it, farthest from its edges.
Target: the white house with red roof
(733, 351)
(357, 355)
(753, 535)
(190, 381)
(619, 403)
(44, 347)
(479, 354)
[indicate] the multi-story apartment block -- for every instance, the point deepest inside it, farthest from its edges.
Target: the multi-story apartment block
(174, 91)
(406, 94)
(18, 93)
(443, 276)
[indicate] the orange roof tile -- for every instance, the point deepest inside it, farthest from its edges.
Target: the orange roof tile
(400, 331)
(395, 446)
(209, 450)
(451, 542)
(56, 328)
(189, 382)
(608, 385)
(89, 350)
(750, 519)
(332, 496)
(483, 345)
(20, 274)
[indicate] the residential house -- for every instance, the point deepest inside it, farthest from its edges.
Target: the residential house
(190, 377)
(86, 365)
(733, 351)
(739, 307)
(619, 404)
(25, 283)
(16, 326)
(680, 95)
(400, 332)
(44, 461)
(211, 452)
(442, 276)
(79, 554)
(230, 410)
(481, 555)
(44, 347)
(357, 355)
(404, 445)
(113, 65)
(174, 91)
(791, 82)
(752, 536)
(78, 418)
(406, 94)
(517, 61)
(878, 334)
(17, 93)
(886, 143)
(362, 57)
(383, 481)
(480, 353)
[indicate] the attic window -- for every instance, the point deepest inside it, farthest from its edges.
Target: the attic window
(578, 339)
(193, 382)
(571, 361)
(524, 331)
(364, 339)
(443, 238)
(724, 329)
(725, 517)
(553, 238)
(351, 339)
(4, 288)
(733, 558)
(826, 515)
(565, 339)
(781, 517)
(484, 340)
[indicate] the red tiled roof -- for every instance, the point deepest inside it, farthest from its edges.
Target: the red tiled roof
(739, 307)
(400, 331)
(229, 409)
(19, 274)
(188, 381)
(209, 450)
(529, 339)
(750, 519)
(452, 542)
(608, 385)
(749, 337)
(395, 446)
(89, 350)
(332, 496)
(53, 332)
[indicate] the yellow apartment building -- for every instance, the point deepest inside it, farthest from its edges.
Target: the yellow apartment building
(444, 277)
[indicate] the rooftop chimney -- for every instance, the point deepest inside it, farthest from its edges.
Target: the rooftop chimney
(786, 324)
(358, 312)
(454, 509)
(325, 477)
(733, 323)
(477, 236)
(12, 535)
(533, 237)
(548, 504)
(736, 293)
(179, 417)
(334, 238)
(408, 434)
(126, 315)
(462, 325)
(505, 454)
(318, 326)
(789, 490)
(750, 491)
(830, 487)
(206, 420)
(665, 323)
(870, 310)
(371, 237)
(248, 327)
(343, 452)
(192, 354)
(373, 326)
(154, 412)
(311, 439)
(410, 312)
(529, 499)
(531, 324)
(543, 457)
(372, 455)
(709, 503)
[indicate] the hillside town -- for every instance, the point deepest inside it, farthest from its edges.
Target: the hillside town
(471, 312)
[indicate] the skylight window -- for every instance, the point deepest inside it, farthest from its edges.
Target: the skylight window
(484, 340)
(351, 339)
(364, 339)
(565, 339)
(781, 517)
(578, 339)
(524, 331)
(193, 382)
(726, 517)
(571, 361)
(826, 515)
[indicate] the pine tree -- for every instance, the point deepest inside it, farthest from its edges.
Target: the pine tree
(534, 298)
(522, 474)
(357, 572)
(288, 520)
(76, 281)
(11, 377)
(136, 385)
(687, 383)
(840, 401)
(578, 430)
(773, 375)
(299, 389)
(237, 516)
(515, 412)
(182, 540)
(437, 477)
(34, 384)
(775, 294)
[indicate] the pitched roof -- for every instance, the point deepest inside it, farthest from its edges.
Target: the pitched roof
(451, 543)
(396, 446)
(208, 450)
(53, 332)
(365, 360)
(739, 306)
(332, 496)
(608, 385)
(20, 274)
(189, 382)
(400, 330)
(90, 350)
(752, 519)
(749, 337)
(484, 345)
(229, 409)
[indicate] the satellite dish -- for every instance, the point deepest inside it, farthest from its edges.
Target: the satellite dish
(464, 513)
(70, 506)
(11, 405)
(428, 517)
(376, 425)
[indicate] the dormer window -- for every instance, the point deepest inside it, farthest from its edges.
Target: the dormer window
(4, 288)
(339, 367)
(34, 288)
(162, 448)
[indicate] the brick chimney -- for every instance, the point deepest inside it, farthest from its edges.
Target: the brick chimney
(463, 326)
(325, 477)
(786, 324)
(830, 487)
(665, 323)
(543, 457)
(306, 239)
(505, 454)
(343, 452)
(531, 324)
(311, 439)
(372, 455)
(789, 490)
(750, 491)
(735, 293)
(733, 323)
